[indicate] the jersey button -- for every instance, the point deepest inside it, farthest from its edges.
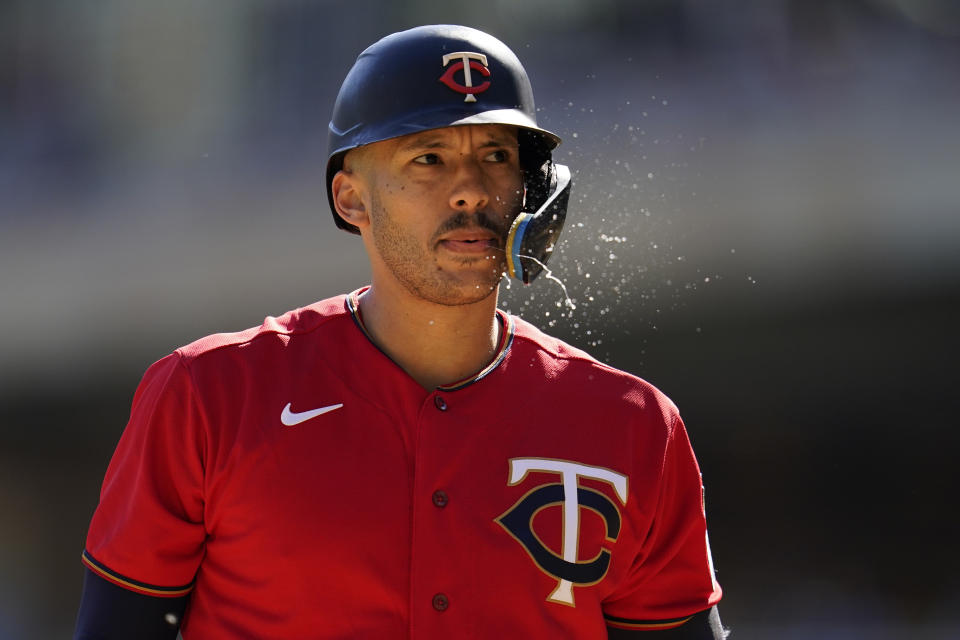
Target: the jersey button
(440, 602)
(440, 403)
(440, 498)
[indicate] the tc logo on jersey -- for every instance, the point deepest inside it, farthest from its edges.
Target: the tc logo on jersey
(565, 567)
(466, 60)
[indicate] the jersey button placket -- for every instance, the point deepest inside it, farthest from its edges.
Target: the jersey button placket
(435, 430)
(440, 601)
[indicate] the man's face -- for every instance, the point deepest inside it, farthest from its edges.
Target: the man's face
(440, 203)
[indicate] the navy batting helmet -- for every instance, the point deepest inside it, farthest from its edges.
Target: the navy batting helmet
(444, 75)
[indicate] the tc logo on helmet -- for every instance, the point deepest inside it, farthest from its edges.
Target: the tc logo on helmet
(466, 60)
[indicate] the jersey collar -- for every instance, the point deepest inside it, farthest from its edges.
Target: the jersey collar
(506, 339)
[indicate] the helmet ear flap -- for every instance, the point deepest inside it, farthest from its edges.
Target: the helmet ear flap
(534, 232)
(535, 161)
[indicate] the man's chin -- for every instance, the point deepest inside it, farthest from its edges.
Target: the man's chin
(457, 294)
(469, 296)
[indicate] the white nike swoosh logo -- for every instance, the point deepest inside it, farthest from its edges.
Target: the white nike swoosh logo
(289, 418)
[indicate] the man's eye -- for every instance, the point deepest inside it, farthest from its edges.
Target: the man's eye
(499, 155)
(427, 158)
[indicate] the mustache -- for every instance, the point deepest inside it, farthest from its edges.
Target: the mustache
(478, 219)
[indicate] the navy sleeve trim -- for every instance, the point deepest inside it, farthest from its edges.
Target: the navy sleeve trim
(704, 625)
(118, 579)
(629, 623)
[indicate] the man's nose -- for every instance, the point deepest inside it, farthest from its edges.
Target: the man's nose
(469, 191)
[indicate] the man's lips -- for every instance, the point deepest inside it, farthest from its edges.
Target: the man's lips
(470, 241)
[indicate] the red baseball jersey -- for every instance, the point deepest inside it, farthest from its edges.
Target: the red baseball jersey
(299, 484)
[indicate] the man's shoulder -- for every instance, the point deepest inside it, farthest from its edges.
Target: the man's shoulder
(554, 347)
(301, 321)
(561, 360)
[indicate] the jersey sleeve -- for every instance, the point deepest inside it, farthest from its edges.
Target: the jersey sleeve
(147, 532)
(671, 577)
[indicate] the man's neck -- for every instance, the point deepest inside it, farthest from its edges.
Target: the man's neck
(435, 344)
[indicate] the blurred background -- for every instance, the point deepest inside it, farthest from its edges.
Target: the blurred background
(764, 224)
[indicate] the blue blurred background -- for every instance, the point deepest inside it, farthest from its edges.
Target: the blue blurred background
(764, 224)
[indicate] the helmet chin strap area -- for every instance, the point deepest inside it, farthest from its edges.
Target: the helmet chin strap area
(532, 236)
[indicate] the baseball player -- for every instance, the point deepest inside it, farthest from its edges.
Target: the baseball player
(408, 461)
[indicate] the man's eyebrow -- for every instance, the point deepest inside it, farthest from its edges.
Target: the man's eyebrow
(440, 142)
(500, 141)
(424, 142)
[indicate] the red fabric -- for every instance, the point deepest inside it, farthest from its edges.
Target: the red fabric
(329, 528)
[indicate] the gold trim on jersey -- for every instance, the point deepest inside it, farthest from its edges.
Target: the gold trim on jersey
(649, 626)
(140, 587)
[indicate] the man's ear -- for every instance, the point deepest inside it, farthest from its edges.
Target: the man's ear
(347, 188)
